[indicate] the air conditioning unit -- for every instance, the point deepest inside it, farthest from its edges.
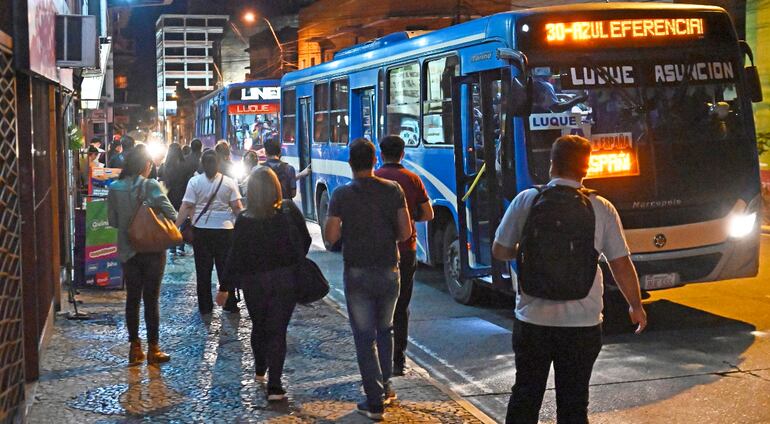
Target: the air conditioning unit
(76, 41)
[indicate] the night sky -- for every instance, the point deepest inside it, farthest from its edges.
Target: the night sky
(142, 25)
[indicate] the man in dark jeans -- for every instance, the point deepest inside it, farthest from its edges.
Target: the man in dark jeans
(369, 215)
(566, 333)
(392, 152)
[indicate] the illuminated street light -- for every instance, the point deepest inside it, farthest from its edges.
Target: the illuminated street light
(249, 17)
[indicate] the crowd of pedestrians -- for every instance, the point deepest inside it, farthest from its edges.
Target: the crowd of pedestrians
(254, 235)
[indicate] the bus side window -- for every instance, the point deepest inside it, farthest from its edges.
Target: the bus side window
(403, 103)
(339, 111)
(321, 112)
(437, 101)
(288, 121)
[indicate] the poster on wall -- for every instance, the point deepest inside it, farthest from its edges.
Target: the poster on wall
(42, 43)
(101, 178)
(102, 265)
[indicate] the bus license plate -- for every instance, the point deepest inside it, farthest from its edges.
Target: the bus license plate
(660, 281)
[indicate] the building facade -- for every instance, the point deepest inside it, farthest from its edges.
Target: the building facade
(185, 63)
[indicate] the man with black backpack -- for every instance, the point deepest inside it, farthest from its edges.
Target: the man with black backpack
(557, 233)
(287, 175)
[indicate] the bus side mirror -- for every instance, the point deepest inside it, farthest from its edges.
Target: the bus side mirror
(753, 84)
(520, 102)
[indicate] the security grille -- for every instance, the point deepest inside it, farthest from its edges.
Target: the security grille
(11, 342)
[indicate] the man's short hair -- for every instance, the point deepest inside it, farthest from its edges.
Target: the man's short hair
(196, 145)
(273, 146)
(362, 155)
(392, 147)
(570, 156)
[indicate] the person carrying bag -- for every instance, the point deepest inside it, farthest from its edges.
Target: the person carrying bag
(262, 262)
(144, 216)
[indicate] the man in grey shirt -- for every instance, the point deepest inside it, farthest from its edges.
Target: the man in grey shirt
(566, 333)
(370, 216)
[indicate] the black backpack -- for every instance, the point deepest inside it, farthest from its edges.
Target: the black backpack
(281, 169)
(557, 258)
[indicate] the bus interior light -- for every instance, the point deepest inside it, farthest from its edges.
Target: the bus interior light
(741, 224)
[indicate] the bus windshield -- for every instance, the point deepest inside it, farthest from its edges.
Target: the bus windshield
(651, 121)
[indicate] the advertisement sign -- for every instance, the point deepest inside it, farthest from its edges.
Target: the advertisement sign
(102, 265)
(101, 178)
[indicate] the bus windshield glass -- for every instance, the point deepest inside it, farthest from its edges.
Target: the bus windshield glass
(654, 120)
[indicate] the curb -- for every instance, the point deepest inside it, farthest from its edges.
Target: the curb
(473, 410)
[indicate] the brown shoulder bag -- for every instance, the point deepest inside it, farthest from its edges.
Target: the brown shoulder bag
(149, 232)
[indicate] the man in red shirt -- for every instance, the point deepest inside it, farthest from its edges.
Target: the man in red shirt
(420, 209)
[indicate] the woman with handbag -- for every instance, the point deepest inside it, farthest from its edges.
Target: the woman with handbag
(210, 203)
(269, 241)
(142, 271)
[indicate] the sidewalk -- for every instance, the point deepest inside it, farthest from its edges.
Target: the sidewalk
(85, 377)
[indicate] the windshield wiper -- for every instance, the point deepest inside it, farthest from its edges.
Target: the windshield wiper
(613, 83)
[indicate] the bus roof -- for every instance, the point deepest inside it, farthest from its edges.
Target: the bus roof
(493, 27)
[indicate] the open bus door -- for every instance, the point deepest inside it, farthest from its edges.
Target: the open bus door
(480, 172)
(306, 188)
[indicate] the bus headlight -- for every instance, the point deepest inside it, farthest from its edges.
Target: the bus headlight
(239, 170)
(741, 224)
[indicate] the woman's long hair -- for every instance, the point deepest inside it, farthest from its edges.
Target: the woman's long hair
(210, 163)
(264, 193)
(136, 162)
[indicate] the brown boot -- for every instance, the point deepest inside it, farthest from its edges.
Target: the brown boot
(135, 354)
(155, 355)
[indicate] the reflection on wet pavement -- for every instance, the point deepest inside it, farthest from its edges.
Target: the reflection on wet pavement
(85, 377)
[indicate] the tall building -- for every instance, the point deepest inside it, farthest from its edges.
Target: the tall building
(185, 63)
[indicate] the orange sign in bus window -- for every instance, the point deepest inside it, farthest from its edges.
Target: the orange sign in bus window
(612, 155)
(582, 31)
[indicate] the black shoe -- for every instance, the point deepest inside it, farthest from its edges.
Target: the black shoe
(399, 369)
(231, 307)
(275, 394)
(372, 412)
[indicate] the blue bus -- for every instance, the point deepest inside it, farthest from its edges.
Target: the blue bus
(243, 113)
(662, 91)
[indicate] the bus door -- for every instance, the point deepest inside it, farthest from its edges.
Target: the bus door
(479, 171)
(363, 118)
(306, 187)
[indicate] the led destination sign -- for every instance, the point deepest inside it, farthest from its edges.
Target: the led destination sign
(623, 29)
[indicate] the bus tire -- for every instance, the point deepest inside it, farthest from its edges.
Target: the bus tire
(462, 291)
(323, 213)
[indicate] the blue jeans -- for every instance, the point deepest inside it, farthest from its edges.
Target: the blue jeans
(371, 295)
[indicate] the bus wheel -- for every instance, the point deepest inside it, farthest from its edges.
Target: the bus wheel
(323, 211)
(462, 291)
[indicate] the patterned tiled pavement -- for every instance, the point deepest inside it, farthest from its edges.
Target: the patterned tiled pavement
(210, 379)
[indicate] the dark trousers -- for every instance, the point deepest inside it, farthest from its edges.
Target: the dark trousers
(371, 295)
(143, 274)
(211, 248)
(408, 266)
(572, 350)
(269, 299)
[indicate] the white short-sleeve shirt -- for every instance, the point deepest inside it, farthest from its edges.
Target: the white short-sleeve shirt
(608, 240)
(219, 216)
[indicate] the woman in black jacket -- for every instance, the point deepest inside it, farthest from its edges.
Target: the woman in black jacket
(269, 239)
(173, 174)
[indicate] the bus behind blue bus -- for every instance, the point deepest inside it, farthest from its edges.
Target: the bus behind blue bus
(244, 114)
(662, 91)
